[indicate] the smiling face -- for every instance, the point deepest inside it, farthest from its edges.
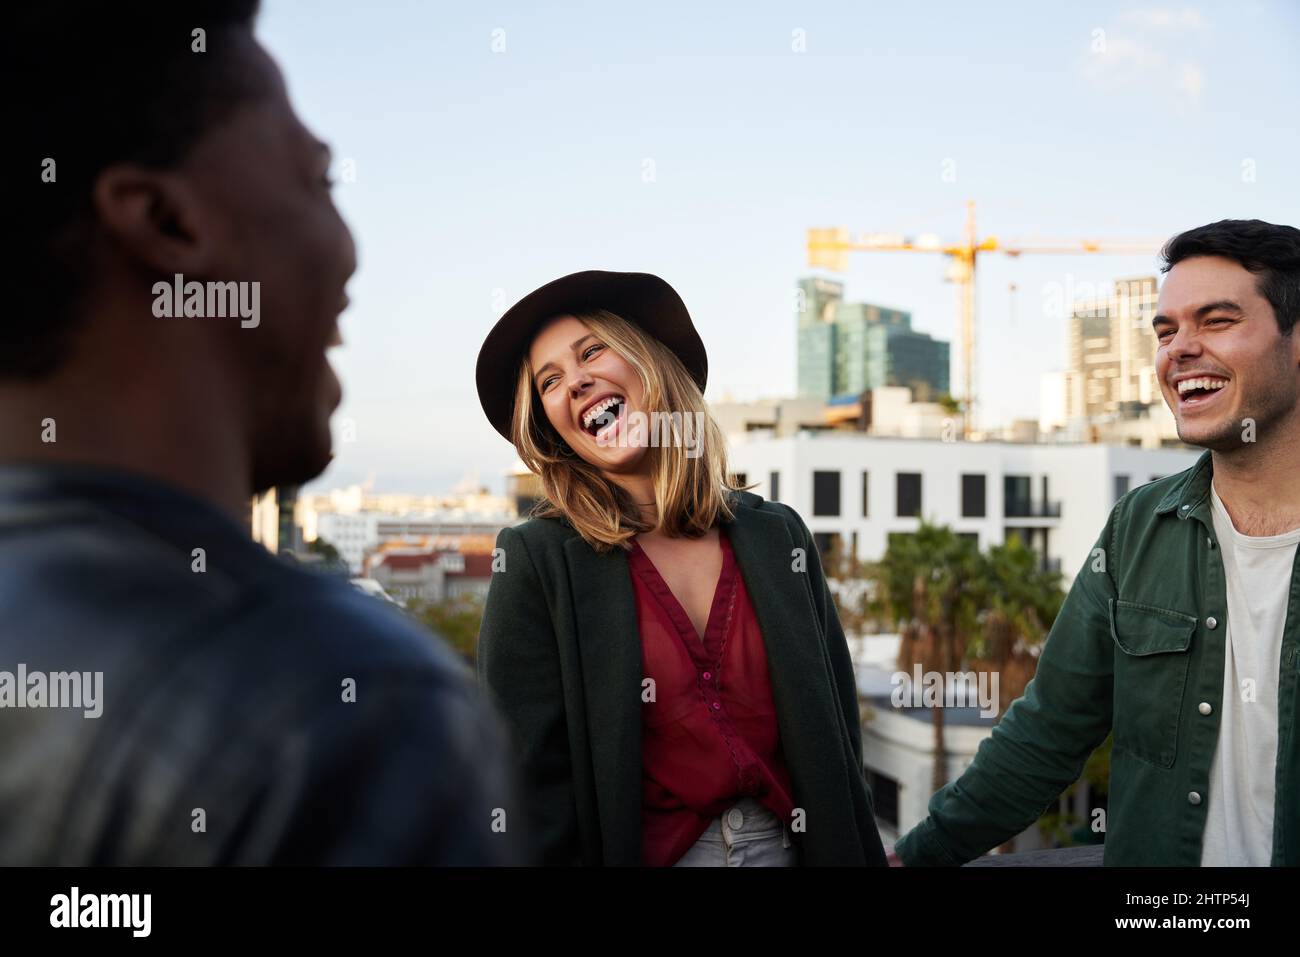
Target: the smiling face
(262, 181)
(587, 391)
(1222, 361)
(305, 253)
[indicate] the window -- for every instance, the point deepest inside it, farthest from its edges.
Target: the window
(909, 494)
(774, 487)
(826, 493)
(1015, 496)
(972, 496)
(1121, 486)
(866, 511)
(828, 545)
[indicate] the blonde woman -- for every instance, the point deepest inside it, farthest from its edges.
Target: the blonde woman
(662, 643)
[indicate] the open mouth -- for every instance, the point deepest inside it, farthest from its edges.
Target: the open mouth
(1195, 392)
(602, 415)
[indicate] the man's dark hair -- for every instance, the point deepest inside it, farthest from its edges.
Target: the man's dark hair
(96, 84)
(1271, 252)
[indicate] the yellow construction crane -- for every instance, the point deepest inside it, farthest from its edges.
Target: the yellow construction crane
(830, 248)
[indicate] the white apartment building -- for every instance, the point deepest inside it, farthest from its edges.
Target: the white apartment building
(864, 488)
(351, 533)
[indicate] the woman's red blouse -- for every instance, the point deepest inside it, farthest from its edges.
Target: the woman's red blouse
(710, 735)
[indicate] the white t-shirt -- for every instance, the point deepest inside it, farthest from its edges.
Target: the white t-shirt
(1239, 811)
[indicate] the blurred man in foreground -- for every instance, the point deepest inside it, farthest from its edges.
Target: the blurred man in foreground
(170, 693)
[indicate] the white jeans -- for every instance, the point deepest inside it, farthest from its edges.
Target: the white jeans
(745, 835)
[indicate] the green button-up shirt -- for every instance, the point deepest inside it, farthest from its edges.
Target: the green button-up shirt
(1138, 648)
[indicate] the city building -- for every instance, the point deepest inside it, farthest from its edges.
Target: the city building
(357, 534)
(523, 488)
(852, 348)
(1109, 393)
(892, 411)
(814, 300)
(429, 574)
(1112, 352)
(356, 521)
(889, 410)
(863, 489)
(775, 417)
(274, 520)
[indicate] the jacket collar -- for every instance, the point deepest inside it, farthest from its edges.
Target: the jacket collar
(1184, 497)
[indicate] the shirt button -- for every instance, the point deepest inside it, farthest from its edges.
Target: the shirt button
(735, 819)
(1205, 708)
(717, 706)
(708, 675)
(1193, 797)
(1211, 623)
(1186, 507)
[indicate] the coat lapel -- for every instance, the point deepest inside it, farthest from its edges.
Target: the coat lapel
(803, 689)
(609, 649)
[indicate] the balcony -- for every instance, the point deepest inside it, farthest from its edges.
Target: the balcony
(1025, 509)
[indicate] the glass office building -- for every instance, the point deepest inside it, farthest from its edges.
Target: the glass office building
(851, 348)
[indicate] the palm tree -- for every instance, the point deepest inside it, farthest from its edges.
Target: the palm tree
(932, 585)
(956, 609)
(1022, 603)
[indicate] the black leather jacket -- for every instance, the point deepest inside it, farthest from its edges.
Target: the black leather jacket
(223, 735)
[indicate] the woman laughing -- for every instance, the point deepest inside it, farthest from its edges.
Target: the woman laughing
(663, 644)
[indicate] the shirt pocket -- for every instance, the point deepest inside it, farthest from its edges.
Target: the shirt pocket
(1151, 663)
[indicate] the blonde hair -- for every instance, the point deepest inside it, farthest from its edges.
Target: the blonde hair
(691, 494)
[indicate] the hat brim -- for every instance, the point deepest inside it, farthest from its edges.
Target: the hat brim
(640, 298)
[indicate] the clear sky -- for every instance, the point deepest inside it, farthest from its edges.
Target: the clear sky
(497, 146)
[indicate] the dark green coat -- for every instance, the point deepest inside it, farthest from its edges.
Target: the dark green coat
(560, 653)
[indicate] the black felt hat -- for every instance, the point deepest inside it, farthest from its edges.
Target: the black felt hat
(640, 298)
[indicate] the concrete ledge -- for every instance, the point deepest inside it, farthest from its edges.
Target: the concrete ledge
(1087, 856)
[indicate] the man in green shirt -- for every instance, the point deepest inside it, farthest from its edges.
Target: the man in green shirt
(1181, 633)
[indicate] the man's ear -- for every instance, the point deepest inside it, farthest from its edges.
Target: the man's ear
(156, 217)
